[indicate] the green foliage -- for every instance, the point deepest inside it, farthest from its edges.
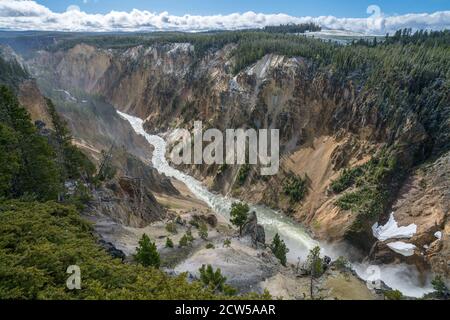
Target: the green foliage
(210, 246)
(375, 183)
(439, 286)
(203, 231)
(393, 295)
(38, 241)
(342, 264)
(214, 280)
(107, 170)
(279, 249)
(184, 241)
(238, 214)
(11, 72)
(189, 235)
(295, 188)
(195, 222)
(29, 165)
(346, 179)
(227, 243)
(147, 253)
(243, 172)
(80, 197)
(169, 243)
(292, 28)
(171, 227)
(314, 263)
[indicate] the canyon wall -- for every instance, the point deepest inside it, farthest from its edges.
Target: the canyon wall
(327, 125)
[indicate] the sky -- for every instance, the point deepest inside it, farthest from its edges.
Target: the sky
(362, 16)
(337, 8)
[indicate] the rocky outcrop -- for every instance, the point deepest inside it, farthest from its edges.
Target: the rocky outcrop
(424, 200)
(32, 99)
(127, 201)
(112, 250)
(254, 230)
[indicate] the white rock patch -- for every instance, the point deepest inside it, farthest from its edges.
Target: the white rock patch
(391, 230)
(438, 235)
(403, 248)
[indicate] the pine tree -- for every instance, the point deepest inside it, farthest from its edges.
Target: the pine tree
(169, 243)
(227, 243)
(215, 280)
(203, 231)
(33, 171)
(279, 249)
(147, 253)
(439, 285)
(238, 215)
(184, 241)
(315, 267)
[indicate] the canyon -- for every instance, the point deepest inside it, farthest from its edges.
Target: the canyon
(326, 127)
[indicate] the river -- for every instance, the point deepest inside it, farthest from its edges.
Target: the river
(401, 277)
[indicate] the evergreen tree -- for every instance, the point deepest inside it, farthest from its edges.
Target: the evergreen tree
(33, 169)
(215, 280)
(279, 249)
(314, 266)
(169, 243)
(314, 262)
(439, 286)
(238, 215)
(147, 253)
(203, 231)
(184, 241)
(227, 243)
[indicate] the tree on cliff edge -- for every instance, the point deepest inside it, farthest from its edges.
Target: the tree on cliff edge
(238, 215)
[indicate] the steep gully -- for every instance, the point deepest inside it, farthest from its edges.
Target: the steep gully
(402, 277)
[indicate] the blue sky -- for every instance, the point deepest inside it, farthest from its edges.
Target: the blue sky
(201, 15)
(338, 8)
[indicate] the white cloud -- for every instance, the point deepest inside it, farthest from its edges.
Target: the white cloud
(73, 7)
(29, 15)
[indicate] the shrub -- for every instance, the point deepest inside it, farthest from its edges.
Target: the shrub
(210, 246)
(439, 286)
(227, 243)
(295, 188)
(171, 227)
(183, 241)
(342, 264)
(203, 231)
(169, 243)
(214, 280)
(189, 235)
(393, 295)
(346, 179)
(244, 170)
